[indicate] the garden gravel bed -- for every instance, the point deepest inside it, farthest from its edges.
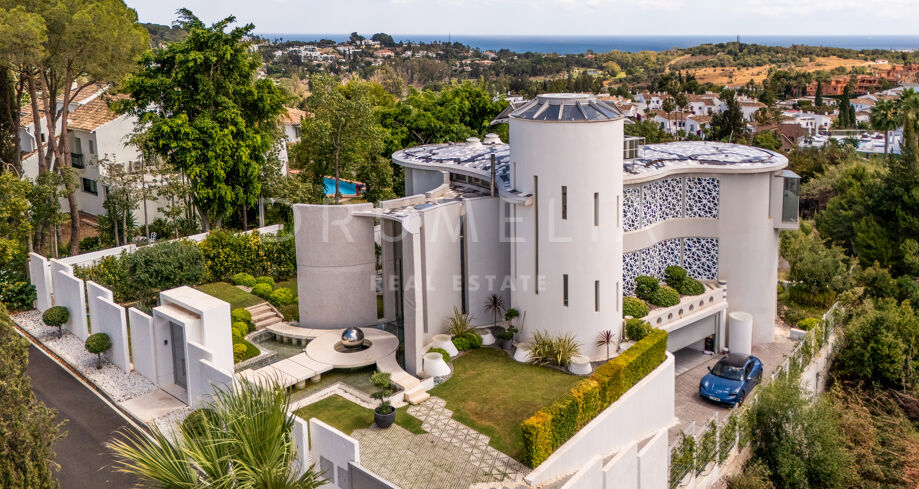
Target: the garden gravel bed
(168, 424)
(117, 384)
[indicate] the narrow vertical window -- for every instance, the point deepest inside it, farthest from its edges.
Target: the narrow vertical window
(536, 232)
(597, 295)
(565, 289)
(618, 213)
(596, 208)
(618, 298)
(564, 202)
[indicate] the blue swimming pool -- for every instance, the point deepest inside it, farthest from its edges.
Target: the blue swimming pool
(346, 188)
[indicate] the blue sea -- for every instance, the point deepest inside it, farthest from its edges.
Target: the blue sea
(581, 44)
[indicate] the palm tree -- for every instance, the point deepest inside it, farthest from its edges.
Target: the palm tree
(495, 305)
(244, 441)
(884, 117)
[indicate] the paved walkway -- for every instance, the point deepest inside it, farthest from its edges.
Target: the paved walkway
(690, 407)
(84, 460)
(450, 456)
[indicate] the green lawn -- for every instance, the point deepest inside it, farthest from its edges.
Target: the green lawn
(492, 393)
(251, 350)
(230, 293)
(290, 283)
(348, 416)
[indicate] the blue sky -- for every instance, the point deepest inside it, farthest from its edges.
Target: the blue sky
(555, 17)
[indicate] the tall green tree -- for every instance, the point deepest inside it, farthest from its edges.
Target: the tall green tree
(27, 426)
(884, 117)
(344, 131)
(729, 124)
(206, 114)
(78, 43)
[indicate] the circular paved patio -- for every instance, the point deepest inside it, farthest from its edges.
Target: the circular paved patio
(322, 348)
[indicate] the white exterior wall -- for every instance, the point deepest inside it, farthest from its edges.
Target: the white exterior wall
(111, 321)
(331, 451)
(40, 277)
(642, 411)
(421, 181)
(590, 475)
(587, 157)
(622, 470)
(212, 330)
(203, 374)
(653, 461)
(55, 266)
(93, 292)
(70, 293)
(487, 256)
(440, 236)
(336, 266)
(143, 346)
(412, 302)
(748, 250)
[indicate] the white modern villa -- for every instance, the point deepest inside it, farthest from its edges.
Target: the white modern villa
(559, 223)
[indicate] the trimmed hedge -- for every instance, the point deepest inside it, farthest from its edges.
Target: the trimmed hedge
(807, 324)
(635, 307)
(636, 329)
(555, 424)
(244, 279)
(665, 297)
(645, 287)
(240, 315)
(262, 290)
(282, 297)
(468, 341)
(266, 280)
(691, 286)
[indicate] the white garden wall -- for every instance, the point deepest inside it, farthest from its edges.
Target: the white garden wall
(40, 276)
(332, 450)
(590, 475)
(203, 374)
(94, 292)
(654, 462)
(69, 292)
(622, 470)
(142, 345)
(110, 319)
(641, 412)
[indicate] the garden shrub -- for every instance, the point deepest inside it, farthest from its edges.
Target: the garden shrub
(691, 286)
(468, 341)
(227, 253)
(636, 329)
(244, 279)
(507, 334)
(242, 315)
(239, 330)
(645, 287)
(110, 272)
(17, 296)
(674, 275)
(282, 297)
(807, 324)
(804, 297)
(56, 317)
(635, 307)
(198, 420)
(558, 350)
(262, 290)
(442, 352)
(665, 297)
(553, 425)
(266, 280)
(165, 265)
(97, 344)
(239, 352)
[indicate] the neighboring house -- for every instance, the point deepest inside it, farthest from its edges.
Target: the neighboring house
(697, 124)
(707, 104)
(750, 108)
(813, 122)
(865, 103)
(790, 134)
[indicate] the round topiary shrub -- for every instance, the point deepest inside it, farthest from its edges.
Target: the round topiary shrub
(674, 275)
(282, 297)
(807, 324)
(262, 290)
(635, 307)
(665, 297)
(240, 315)
(199, 421)
(636, 329)
(266, 280)
(645, 287)
(244, 279)
(691, 286)
(239, 352)
(98, 344)
(56, 317)
(239, 330)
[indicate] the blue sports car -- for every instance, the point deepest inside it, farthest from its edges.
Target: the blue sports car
(731, 379)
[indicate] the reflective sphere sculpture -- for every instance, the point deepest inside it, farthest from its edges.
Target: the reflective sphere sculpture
(352, 338)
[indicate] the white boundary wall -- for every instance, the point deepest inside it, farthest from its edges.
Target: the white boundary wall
(640, 413)
(40, 276)
(110, 319)
(142, 347)
(93, 257)
(590, 475)
(332, 450)
(203, 374)
(93, 292)
(69, 292)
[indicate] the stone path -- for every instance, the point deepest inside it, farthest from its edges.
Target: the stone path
(449, 456)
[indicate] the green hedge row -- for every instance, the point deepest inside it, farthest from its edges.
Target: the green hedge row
(555, 424)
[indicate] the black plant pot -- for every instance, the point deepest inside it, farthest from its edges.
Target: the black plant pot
(505, 344)
(384, 420)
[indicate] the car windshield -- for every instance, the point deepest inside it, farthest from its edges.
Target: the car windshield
(722, 369)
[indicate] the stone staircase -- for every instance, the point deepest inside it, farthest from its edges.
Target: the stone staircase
(265, 315)
(414, 391)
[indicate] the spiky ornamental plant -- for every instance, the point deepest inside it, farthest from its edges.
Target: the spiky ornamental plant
(246, 443)
(495, 305)
(605, 339)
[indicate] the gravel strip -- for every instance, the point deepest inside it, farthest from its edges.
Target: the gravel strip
(119, 385)
(169, 424)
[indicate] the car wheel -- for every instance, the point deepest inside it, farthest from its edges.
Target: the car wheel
(740, 398)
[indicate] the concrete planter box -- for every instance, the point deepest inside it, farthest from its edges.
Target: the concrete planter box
(445, 343)
(797, 334)
(487, 338)
(522, 354)
(435, 366)
(580, 365)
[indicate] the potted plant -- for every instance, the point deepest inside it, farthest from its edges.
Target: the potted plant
(98, 344)
(506, 337)
(384, 415)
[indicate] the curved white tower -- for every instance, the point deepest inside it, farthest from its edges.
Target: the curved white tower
(567, 154)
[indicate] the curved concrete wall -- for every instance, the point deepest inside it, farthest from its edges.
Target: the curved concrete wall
(587, 158)
(336, 266)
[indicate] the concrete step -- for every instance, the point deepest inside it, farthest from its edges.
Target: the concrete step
(265, 316)
(417, 397)
(261, 306)
(268, 324)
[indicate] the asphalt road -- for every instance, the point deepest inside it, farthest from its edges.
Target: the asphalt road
(90, 422)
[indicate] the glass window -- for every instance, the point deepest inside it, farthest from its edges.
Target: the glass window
(565, 289)
(596, 208)
(564, 202)
(597, 295)
(92, 147)
(726, 371)
(791, 189)
(89, 186)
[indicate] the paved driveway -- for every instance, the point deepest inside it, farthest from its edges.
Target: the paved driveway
(690, 407)
(85, 462)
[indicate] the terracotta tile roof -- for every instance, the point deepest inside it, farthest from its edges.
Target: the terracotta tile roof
(752, 104)
(701, 119)
(92, 114)
(293, 116)
(863, 101)
(25, 118)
